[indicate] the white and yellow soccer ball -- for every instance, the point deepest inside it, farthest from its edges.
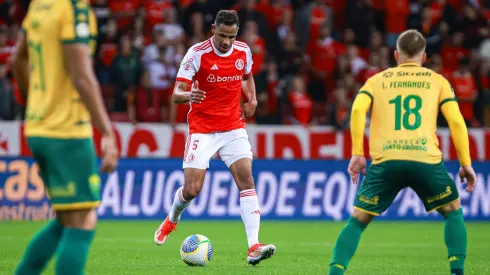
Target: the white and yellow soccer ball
(196, 250)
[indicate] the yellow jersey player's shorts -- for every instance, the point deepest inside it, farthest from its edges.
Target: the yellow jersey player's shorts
(384, 180)
(68, 168)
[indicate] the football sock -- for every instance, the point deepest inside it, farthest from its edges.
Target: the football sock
(40, 249)
(346, 245)
(455, 236)
(178, 206)
(250, 211)
(73, 251)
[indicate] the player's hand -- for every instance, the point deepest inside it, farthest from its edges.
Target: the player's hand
(356, 165)
(197, 96)
(249, 108)
(110, 154)
(467, 172)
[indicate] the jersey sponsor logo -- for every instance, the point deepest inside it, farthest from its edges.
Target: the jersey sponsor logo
(402, 73)
(440, 196)
(406, 144)
(388, 74)
(212, 78)
(63, 192)
(369, 200)
(239, 64)
(82, 30)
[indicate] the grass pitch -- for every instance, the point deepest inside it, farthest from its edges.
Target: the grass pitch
(302, 248)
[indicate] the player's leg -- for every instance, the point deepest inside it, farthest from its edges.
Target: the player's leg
(348, 240)
(439, 192)
(73, 186)
(198, 151)
(78, 234)
(376, 193)
(237, 155)
(455, 236)
(75, 198)
(44, 244)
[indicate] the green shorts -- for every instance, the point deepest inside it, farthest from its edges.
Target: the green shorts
(431, 182)
(69, 170)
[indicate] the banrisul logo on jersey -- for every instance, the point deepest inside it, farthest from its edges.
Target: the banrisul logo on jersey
(406, 144)
(216, 78)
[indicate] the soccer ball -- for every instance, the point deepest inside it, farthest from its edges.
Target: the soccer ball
(196, 250)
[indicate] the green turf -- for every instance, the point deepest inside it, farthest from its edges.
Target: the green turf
(302, 248)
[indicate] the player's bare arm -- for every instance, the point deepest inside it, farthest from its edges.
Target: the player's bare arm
(79, 66)
(459, 134)
(248, 87)
(20, 63)
(181, 94)
(357, 123)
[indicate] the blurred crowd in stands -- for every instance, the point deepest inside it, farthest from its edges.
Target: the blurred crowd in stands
(310, 56)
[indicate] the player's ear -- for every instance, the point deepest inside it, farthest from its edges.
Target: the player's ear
(424, 58)
(395, 53)
(213, 28)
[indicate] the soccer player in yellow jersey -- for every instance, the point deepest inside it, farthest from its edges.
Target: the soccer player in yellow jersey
(405, 102)
(52, 61)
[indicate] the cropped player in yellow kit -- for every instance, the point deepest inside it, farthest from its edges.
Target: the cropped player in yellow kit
(405, 102)
(52, 64)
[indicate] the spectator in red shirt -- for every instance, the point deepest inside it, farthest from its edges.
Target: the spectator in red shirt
(319, 16)
(453, 52)
(256, 44)
(465, 91)
(274, 11)
(5, 50)
(106, 51)
(155, 11)
(323, 52)
(124, 11)
(146, 104)
(396, 19)
(301, 103)
(435, 64)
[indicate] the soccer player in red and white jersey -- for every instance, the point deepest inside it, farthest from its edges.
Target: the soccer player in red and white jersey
(218, 69)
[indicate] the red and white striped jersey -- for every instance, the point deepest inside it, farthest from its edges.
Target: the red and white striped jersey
(220, 75)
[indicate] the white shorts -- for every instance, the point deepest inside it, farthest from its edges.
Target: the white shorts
(231, 146)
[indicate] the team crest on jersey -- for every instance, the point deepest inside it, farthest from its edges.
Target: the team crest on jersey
(239, 64)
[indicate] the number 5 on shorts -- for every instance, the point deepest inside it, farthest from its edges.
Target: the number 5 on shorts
(194, 145)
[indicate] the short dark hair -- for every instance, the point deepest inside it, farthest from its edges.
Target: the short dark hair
(227, 17)
(411, 43)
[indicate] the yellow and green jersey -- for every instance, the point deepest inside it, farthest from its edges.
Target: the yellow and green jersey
(405, 102)
(54, 108)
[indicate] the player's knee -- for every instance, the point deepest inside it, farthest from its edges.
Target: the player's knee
(191, 190)
(450, 207)
(361, 216)
(85, 219)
